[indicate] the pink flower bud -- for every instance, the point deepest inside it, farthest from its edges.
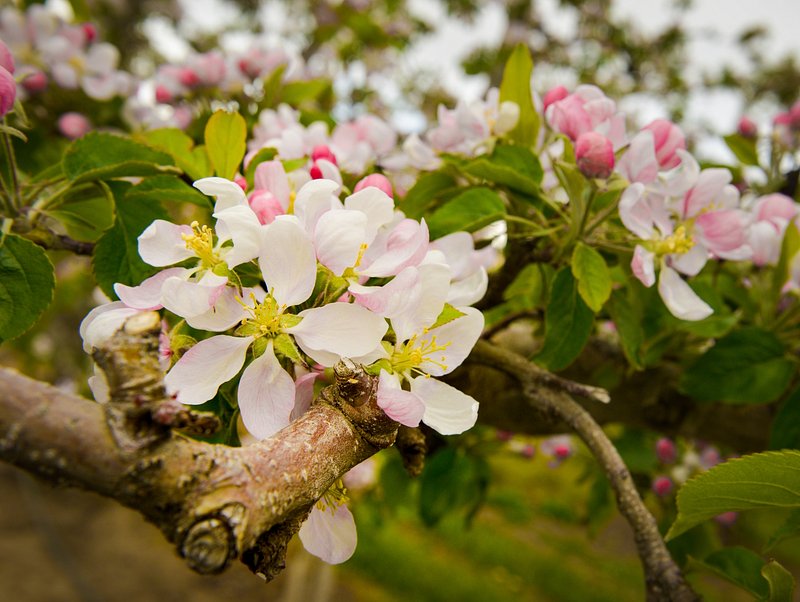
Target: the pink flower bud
(241, 181)
(666, 450)
(504, 435)
(90, 31)
(594, 155)
(265, 206)
(662, 486)
(377, 180)
(747, 128)
(776, 206)
(726, 519)
(528, 451)
(782, 119)
(554, 95)
(6, 58)
(188, 77)
(8, 91)
(315, 172)
(35, 82)
(163, 95)
(794, 115)
(668, 138)
(322, 151)
(562, 451)
(73, 125)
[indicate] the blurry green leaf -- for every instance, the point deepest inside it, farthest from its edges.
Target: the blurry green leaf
(192, 160)
(169, 189)
(789, 248)
(568, 323)
(591, 272)
(225, 137)
(100, 156)
(80, 10)
(426, 192)
(516, 87)
(86, 211)
(743, 148)
(764, 480)
(272, 88)
(781, 582)
(529, 289)
(471, 210)
(746, 366)
(264, 154)
(629, 327)
(116, 256)
(785, 433)
(295, 93)
(27, 282)
(790, 528)
(738, 565)
(572, 180)
(513, 166)
(452, 482)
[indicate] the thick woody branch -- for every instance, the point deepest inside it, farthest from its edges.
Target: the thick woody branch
(663, 577)
(216, 503)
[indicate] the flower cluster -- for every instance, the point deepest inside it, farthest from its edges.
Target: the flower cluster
(336, 279)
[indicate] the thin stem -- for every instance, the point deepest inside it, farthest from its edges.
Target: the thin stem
(12, 164)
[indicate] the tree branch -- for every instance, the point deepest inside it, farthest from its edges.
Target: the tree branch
(663, 577)
(216, 503)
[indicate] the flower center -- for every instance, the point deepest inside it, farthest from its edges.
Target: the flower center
(265, 320)
(678, 242)
(409, 357)
(201, 243)
(334, 497)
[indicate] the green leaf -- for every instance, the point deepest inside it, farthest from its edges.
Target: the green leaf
(790, 528)
(101, 156)
(594, 279)
(629, 327)
(785, 433)
(27, 282)
(449, 313)
(169, 189)
(192, 160)
(789, 249)
(765, 480)
(285, 346)
(225, 137)
(747, 366)
(116, 256)
(471, 210)
(781, 582)
(743, 148)
(568, 323)
(86, 211)
(513, 166)
(516, 87)
(80, 10)
(429, 189)
(738, 565)
(295, 93)
(529, 289)
(573, 182)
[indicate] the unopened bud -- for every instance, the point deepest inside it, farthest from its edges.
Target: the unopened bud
(188, 77)
(315, 172)
(662, 486)
(322, 151)
(8, 91)
(73, 125)
(6, 58)
(241, 181)
(376, 180)
(554, 95)
(594, 155)
(90, 31)
(163, 95)
(668, 138)
(747, 128)
(35, 82)
(666, 450)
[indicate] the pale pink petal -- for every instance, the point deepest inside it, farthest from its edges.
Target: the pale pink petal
(338, 238)
(434, 288)
(679, 297)
(765, 241)
(691, 262)
(102, 322)
(401, 294)
(458, 249)
(228, 194)
(458, 337)
(303, 393)
(706, 192)
(343, 329)
(196, 377)
(148, 294)
(635, 212)
(401, 406)
(288, 263)
(313, 199)
(469, 290)
(188, 299)
(447, 410)
(722, 231)
(98, 385)
(329, 534)
(679, 180)
(226, 312)
(266, 395)
(375, 204)
(406, 245)
(639, 163)
(643, 265)
(161, 243)
(271, 176)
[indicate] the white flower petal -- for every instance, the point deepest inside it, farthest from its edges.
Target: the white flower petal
(161, 244)
(240, 224)
(313, 199)
(434, 287)
(288, 263)
(401, 406)
(338, 238)
(196, 377)
(375, 204)
(329, 534)
(102, 322)
(225, 313)
(459, 337)
(679, 298)
(148, 294)
(469, 290)
(343, 329)
(266, 395)
(228, 194)
(447, 410)
(186, 298)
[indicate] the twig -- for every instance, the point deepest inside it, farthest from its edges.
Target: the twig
(663, 578)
